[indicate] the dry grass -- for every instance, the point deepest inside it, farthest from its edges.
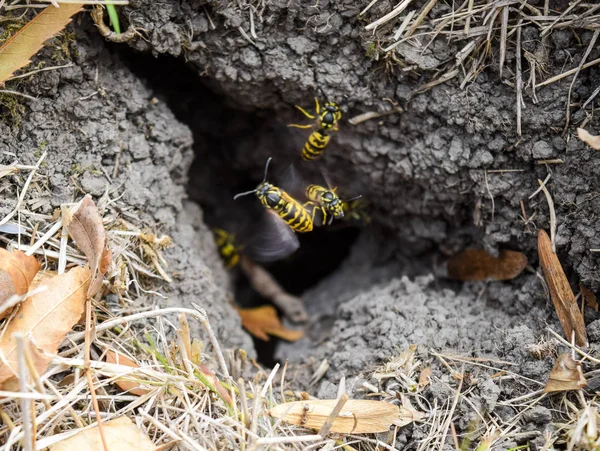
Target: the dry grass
(473, 33)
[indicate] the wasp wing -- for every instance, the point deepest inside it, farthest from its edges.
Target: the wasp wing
(273, 240)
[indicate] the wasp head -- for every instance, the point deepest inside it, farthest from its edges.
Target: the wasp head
(332, 202)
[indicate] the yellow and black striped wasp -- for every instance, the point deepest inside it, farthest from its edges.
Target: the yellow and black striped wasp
(329, 203)
(327, 118)
(227, 247)
(355, 210)
(287, 208)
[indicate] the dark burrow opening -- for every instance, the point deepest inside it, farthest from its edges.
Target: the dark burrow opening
(230, 144)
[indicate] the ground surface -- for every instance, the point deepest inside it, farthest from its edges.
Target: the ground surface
(430, 173)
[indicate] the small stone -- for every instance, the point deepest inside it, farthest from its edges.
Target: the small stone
(542, 150)
(538, 415)
(138, 146)
(558, 143)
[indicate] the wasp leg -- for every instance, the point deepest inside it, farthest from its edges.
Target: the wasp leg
(306, 113)
(317, 106)
(301, 126)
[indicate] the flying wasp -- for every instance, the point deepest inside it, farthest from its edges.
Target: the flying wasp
(327, 118)
(227, 247)
(293, 213)
(329, 203)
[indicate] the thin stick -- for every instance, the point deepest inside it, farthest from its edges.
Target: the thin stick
(333, 415)
(552, 214)
(535, 193)
(39, 70)
(503, 37)
(519, 79)
(212, 337)
(585, 56)
(25, 407)
(389, 16)
(16, 93)
(45, 237)
(420, 17)
(451, 412)
(573, 347)
(9, 216)
(88, 370)
(487, 187)
(138, 316)
(567, 73)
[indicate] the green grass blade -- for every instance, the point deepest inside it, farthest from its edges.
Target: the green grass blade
(114, 17)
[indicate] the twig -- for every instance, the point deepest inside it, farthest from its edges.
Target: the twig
(567, 73)
(389, 16)
(552, 214)
(268, 287)
(9, 216)
(574, 347)
(212, 337)
(16, 93)
(25, 407)
(535, 193)
(88, 370)
(451, 412)
(324, 431)
(487, 187)
(503, 37)
(587, 53)
(519, 79)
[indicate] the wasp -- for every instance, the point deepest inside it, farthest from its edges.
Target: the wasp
(327, 119)
(356, 210)
(328, 202)
(227, 247)
(293, 213)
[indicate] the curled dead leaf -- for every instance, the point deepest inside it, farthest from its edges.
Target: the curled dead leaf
(425, 377)
(121, 435)
(569, 315)
(125, 383)
(357, 416)
(588, 138)
(87, 230)
(17, 51)
(17, 271)
(45, 318)
(566, 375)
(263, 321)
(477, 264)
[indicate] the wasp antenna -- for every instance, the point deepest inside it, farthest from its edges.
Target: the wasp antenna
(243, 194)
(266, 169)
(353, 198)
(324, 95)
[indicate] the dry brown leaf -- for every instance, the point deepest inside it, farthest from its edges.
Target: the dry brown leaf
(17, 271)
(7, 170)
(121, 435)
(126, 383)
(358, 416)
(477, 264)
(425, 377)
(589, 139)
(588, 297)
(45, 318)
(562, 296)
(263, 321)
(566, 375)
(17, 51)
(86, 228)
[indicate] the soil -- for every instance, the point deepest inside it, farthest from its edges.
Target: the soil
(447, 173)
